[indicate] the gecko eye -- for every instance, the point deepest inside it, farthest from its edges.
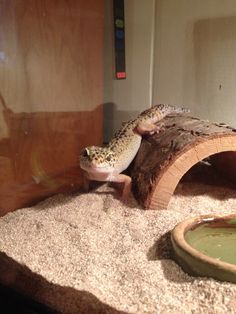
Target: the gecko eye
(86, 152)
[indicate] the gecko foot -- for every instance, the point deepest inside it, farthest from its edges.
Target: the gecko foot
(148, 128)
(86, 183)
(126, 181)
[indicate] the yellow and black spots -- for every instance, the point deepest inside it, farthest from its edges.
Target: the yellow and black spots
(121, 150)
(98, 156)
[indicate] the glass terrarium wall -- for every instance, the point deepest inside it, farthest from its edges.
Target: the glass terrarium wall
(124, 99)
(51, 77)
(180, 52)
(195, 65)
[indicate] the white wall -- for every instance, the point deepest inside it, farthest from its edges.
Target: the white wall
(124, 99)
(194, 60)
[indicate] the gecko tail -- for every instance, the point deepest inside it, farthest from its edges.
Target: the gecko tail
(181, 110)
(170, 109)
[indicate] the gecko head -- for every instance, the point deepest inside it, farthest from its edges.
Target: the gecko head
(99, 159)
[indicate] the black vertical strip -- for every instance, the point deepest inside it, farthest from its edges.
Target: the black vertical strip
(119, 39)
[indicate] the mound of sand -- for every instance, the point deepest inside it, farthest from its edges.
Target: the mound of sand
(90, 253)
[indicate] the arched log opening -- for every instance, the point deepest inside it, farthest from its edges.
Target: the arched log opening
(164, 158)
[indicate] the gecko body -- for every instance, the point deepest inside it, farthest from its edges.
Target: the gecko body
(106, 163)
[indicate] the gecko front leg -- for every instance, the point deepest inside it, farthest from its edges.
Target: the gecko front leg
(85, 182)
(143, 128)
(126, 180)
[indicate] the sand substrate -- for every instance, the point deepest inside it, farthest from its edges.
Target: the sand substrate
(90, 253)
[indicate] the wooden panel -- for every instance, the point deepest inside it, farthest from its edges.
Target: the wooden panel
(51, 81)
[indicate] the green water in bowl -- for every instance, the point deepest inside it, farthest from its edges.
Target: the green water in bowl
(215, 241)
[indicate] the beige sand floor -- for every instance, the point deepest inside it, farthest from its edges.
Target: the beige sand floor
(91, 253)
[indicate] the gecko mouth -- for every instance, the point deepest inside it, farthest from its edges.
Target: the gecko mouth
(96, 168)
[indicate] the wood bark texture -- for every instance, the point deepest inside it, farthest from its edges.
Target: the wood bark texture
(164, 158)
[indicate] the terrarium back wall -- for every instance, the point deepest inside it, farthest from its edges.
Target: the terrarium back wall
(124, 99)
(51, 83)
(195, 64)
(179, 52)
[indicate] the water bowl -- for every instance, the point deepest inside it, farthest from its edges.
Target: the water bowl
(206, 246)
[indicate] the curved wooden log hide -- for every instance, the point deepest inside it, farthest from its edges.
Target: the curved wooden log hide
(164, 158)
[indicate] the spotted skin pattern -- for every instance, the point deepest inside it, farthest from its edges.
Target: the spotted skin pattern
(106, 163)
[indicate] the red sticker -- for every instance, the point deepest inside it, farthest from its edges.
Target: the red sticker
(121, 75)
